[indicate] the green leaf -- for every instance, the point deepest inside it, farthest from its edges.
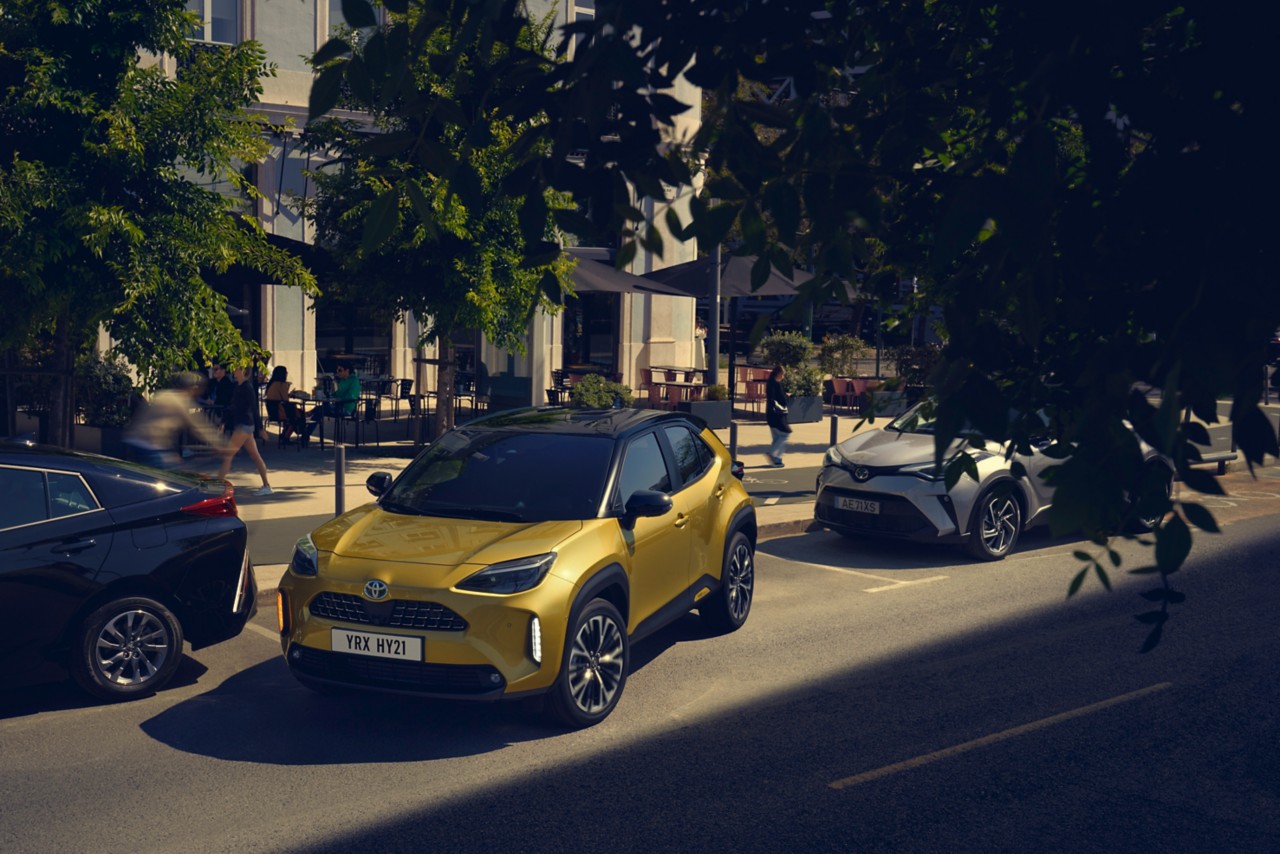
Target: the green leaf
(330, 50)
(422, 207)
(399, 7)
(1173, 544)
(1200, 517)
(359, 14)
(1082, 555)
(325, 91)
(383, 219)
(1202, 481)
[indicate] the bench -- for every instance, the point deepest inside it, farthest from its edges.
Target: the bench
(1219, 458)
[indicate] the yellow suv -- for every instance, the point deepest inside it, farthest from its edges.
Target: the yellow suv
(522, 554)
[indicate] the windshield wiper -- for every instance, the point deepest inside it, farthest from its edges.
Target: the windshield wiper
(488, 514)
(397, 507)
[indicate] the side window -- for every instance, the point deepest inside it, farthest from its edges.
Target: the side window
(22, 499)
(68, 495)
(685, 446)
(642, 468)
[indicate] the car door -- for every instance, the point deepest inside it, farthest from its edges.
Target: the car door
(658, 545)
(698, 497)
(54, 536)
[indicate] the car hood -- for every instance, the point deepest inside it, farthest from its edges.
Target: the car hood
(887, 448)
(371, 533)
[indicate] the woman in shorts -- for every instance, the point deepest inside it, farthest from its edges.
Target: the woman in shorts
(242, 419)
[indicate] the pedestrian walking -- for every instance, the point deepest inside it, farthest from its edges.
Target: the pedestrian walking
(152, 434)
(243, 419)
(776, 414)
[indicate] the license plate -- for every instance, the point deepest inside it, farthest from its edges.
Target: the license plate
(858, 505)
(378, 646)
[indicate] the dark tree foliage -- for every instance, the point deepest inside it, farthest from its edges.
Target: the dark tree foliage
(1080, 187)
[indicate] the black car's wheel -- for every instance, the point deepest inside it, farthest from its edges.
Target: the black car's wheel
(593, 672)
(127, 648)
(1147, 520)
(997, 523)
(727, 609)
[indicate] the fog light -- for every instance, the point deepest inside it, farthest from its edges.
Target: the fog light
(495, 678)
(535, 640)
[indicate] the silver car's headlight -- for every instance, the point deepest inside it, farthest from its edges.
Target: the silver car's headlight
(930, 471)
(833, 457)
(510, 576)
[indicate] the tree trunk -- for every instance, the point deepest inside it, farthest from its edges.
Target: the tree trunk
(62, 403)
(444, 386)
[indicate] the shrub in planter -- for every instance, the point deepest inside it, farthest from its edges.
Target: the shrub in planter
(839, 354)
(717, 392)
(595, 392)
(915, 363)
(803, 381)
(789, 349)
(104, 390)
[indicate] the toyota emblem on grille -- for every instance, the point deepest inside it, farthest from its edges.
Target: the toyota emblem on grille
(861, 474)
(375, 590)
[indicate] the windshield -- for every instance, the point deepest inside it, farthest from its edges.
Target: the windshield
(506, 477)
(918, 419)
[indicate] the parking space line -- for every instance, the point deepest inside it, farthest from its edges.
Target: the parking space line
(890, 583)
(266, 633)
(956, 750)
(772, 499)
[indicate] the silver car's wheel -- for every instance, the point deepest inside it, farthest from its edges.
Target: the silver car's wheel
(128, 648)
(996, 528)
(1150, 521)
(595, 667)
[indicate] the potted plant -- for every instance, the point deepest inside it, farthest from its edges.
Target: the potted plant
(715, 408)
(803, 382)
(104, 394)
(595, 392)
(839, 353)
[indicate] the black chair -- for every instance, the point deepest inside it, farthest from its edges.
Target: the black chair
(364, 416)
(403, 391)
(274, 414)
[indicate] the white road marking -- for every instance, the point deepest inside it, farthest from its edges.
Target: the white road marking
(266, 633)
(890, 583)
(947, 753)
(772, 499)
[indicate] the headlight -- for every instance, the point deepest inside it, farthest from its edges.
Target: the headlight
(510, 576)
(930, 471)
(304, 557)
(833, 457)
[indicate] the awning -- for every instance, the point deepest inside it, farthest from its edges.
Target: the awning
(595, 273)
(693, 278)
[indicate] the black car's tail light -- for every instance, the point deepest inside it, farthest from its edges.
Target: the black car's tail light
(222, 505)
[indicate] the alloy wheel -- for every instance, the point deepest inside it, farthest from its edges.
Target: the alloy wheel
(597, 664)
(131, 648)
(741, 579)
(1001, 519)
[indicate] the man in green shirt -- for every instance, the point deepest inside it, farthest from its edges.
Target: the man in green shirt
(341, 404)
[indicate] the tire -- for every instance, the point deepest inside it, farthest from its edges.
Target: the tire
(593, 672)
(1147, 524)
(728, 608)
(997, 522)
(126, 649)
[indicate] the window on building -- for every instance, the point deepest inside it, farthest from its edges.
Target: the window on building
(220, 20)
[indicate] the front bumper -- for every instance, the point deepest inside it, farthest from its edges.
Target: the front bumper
(910, 508)
(475, 646)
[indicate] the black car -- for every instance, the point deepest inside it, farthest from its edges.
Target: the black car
(106, 566)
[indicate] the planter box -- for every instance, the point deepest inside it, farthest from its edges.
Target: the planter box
(717, 413)
(802, 410)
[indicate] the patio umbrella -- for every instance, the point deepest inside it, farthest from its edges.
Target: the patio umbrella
(595, 273)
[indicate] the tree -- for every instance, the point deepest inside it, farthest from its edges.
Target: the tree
(408, 238)
(1078, 188)
(104, 218)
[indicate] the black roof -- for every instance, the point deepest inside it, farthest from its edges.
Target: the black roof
(615, 423)
(23, 453)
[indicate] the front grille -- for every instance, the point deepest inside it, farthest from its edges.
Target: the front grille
(462, 680)
(394, 613)
(897, 516)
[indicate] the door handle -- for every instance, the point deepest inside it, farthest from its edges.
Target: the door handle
(719, 493)
(681, 520)
(73, 546)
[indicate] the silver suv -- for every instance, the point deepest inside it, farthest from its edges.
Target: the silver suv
(885, 483)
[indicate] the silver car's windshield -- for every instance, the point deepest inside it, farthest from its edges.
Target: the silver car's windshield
(918, 419)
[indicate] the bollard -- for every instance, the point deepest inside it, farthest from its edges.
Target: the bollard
(340, 479)
(835, 429)
(733, 440)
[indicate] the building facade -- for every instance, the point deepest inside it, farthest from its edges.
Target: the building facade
(621, 333)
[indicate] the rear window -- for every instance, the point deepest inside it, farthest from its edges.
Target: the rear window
(505, 476)
(128, 483)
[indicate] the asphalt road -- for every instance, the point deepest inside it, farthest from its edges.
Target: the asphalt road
(882, 697)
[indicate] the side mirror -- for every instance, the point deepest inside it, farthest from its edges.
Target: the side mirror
(645, 502)
(378, 483)
(737, 469)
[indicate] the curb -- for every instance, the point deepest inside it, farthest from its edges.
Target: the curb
(791, 527)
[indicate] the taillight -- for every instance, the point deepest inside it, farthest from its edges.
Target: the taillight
(222, 505)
